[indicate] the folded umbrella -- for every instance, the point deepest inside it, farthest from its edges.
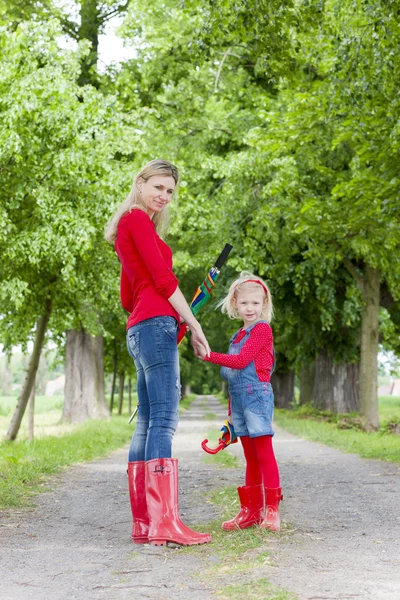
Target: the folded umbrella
(226, 438)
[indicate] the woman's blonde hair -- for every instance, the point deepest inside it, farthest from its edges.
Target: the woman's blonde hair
(247, 281)
(158, 167)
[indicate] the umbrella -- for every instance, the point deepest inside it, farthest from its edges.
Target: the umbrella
(226, 438)
(204, 291)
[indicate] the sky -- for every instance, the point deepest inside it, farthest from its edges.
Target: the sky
(111, 47)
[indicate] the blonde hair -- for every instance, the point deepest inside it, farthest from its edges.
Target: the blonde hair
(247, 281)
(133, 200)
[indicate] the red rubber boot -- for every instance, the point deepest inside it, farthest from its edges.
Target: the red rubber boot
(162, 504)
(272, 519)
(137, 494)
(251, 508)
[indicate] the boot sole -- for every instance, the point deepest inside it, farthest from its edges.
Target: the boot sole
(165, 542)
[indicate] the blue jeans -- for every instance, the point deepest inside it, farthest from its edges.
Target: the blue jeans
(153, 346)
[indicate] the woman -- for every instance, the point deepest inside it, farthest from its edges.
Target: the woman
(150, 293)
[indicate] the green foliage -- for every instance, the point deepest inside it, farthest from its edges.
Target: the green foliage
(283, 120)
(346, 433)
(25, 466)
(59, 180)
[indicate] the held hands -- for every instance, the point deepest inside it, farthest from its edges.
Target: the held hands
(200, 344)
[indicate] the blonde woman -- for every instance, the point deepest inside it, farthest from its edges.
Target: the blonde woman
(247, 368)
(150, 293)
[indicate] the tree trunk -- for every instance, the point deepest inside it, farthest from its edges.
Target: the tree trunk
(130, 396)
(307, 382)
(84, 378)
(336, 385)
(99, 350)
(41, 327)
(5, 378)
(283, 385)
(369, 346)
(89, 30)
(31, 414)
(114, 379)
(121, 392)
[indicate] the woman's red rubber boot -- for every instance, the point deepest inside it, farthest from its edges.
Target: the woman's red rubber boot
(251, 508)
(166, 526)
(272, 519)
(137, 495)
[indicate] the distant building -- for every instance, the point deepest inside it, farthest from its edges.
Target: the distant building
(393, 389)
(396, 387)
(56, 386)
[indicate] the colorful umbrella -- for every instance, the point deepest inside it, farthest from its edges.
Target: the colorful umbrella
(226, 438)
(204, 291)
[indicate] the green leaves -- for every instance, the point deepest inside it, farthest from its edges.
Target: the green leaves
(58, 182)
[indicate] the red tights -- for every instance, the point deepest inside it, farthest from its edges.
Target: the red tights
(261, 466)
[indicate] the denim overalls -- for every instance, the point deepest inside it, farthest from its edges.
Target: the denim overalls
(252, 400)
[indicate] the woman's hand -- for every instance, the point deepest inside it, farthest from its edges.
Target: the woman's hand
(199, 342)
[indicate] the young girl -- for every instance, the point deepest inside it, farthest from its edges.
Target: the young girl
(247, 369)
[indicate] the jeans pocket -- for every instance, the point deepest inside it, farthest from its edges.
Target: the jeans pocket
(132, 342)
(170, 332)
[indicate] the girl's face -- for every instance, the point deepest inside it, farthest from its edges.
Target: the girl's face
(249, 304)
(156, 192)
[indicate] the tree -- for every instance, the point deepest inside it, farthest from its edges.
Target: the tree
(57, 143)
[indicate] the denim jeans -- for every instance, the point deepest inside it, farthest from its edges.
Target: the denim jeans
(153, 346)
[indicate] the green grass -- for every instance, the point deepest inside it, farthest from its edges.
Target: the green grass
(258, 589)
(389, 408)
(42, 404)
(238, 556)
(25, 466)
(186, 401)
(344, 431)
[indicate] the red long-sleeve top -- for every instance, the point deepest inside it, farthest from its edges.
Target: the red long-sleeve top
(147, 279)
(258, 348)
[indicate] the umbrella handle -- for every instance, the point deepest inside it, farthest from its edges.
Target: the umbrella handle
(220, 446)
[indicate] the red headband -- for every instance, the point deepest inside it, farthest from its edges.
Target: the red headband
(259, 283)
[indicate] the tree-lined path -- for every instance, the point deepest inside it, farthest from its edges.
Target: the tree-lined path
(340, 537)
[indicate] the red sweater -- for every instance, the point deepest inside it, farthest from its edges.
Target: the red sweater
(147, 280)
(258, 348)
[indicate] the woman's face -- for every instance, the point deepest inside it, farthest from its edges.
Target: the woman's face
(156, 192)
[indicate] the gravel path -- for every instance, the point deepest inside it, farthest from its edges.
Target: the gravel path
(340, 513)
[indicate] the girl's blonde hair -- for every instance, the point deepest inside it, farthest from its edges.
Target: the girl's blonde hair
(247, 281)
(133, 200)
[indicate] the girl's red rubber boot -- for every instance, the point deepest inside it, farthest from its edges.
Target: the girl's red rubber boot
(166, 526)
(272, 519)
(137, 495)
(251, 508)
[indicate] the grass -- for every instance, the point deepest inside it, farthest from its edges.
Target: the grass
(389, 408)
(187, 401)
(25, 466)
(345, 431)
(239, 556)
(259, 589)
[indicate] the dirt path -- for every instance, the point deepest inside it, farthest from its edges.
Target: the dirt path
(341, 515)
